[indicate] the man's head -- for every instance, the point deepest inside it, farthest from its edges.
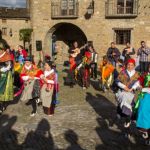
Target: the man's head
(75, 44)
(128, 45)
(113, 45)
(143, 44)
(105, 60)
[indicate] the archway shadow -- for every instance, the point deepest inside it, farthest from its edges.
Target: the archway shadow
(110, 130)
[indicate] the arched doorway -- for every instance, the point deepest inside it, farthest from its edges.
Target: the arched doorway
(60, 37)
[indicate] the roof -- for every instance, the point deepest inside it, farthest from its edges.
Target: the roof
(14, 13)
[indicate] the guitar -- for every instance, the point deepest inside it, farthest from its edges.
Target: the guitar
(76, 51)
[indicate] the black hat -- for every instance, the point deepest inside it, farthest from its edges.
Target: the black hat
(50, 63)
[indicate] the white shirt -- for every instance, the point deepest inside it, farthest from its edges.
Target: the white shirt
(46, 74)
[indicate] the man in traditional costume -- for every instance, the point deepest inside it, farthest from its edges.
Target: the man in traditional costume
(30, 75)
(6, 80)
(49, 88)
(127, 82)
(84, 69)
(74, 51)
(93, 65)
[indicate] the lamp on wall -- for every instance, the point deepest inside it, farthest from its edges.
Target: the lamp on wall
(10, 32)
(90, 9)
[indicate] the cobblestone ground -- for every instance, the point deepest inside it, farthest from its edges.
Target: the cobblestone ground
(82, 121)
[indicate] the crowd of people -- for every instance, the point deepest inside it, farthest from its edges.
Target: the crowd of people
(127, 74)
(19, 76)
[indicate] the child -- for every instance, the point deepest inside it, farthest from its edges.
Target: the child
(106, 70)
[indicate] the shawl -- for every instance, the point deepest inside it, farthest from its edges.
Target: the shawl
(5, 57)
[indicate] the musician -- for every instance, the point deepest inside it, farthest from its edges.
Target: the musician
(128, 52)
(113, 54)
(93, 64)
(74, 51)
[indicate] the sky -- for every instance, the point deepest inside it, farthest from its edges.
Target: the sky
(13, 3)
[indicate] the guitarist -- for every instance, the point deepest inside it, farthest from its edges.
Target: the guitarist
(73, 52)
(75, 58)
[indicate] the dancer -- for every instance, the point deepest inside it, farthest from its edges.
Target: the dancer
(48, 90)
(6, 80)
(30, 75)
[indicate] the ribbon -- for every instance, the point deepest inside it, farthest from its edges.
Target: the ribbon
(147, 81)
(140, 96)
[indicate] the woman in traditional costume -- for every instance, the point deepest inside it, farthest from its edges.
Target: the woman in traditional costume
(127, 82)
(6, 80)
(30, 75)
(143, 111)
(48, 90)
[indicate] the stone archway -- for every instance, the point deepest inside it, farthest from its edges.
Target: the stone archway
(65, 34)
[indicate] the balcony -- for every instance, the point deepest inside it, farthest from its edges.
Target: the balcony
(61, 10)
(114, 10)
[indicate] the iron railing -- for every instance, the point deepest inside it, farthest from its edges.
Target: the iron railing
(113, 10)
(58, 10)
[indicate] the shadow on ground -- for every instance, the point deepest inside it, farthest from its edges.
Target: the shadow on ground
(110, 130)
(40, 139)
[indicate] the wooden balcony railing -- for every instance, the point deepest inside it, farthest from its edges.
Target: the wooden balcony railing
(58, 10)
(117, 11)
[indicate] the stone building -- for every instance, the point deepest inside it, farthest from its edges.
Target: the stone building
(57, 23)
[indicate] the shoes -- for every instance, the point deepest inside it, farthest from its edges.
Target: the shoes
(147, 142)
(84, 88)
(33, 114)
(126, 125)
(37, 100)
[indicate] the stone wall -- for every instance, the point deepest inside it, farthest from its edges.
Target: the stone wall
(15, 25)
(97, 28)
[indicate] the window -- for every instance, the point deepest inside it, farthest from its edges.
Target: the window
(4, 31)
(67, 7)
(122, 36)
(125, 6)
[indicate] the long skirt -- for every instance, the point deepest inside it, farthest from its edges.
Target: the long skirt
(143, 116)
(6, 86)
(125, 102)
(46, 98)
(31, 90)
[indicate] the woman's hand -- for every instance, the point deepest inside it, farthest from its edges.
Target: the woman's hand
(31, 78)
(45, 80)
(127, 89)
